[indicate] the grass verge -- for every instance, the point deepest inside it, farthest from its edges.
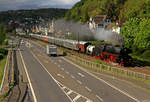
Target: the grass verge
(2, 66)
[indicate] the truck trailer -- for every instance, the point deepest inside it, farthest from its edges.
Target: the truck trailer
(51, 50)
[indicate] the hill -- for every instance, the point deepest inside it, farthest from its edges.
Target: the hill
(114, 9)
(31, 15)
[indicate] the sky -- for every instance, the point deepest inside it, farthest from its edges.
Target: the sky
(34, 4)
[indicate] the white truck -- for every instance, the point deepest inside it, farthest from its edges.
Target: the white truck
(51, 50)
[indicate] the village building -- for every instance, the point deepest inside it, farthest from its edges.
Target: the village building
(100, 21)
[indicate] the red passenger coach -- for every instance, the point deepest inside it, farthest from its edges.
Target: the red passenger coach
(45, 39)
(82, 46)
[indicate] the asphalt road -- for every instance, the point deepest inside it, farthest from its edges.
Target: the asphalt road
(102, 89)
(44, 86)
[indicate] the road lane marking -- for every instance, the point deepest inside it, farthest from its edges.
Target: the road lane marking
(72, 77)
(81, 68)
(79, 82)
(58, 65)
(50, 75)
(63, 87)
(46, 61)
(88, 89)
(62, 68)
(76, 98)
(81, 74)
(60, 75)
(67, 72)
(60, 61)
(68, 93)
(32, 90)
(88, 101)
(99, 98)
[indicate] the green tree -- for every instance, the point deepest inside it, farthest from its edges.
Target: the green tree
(2, 33)
(136, 33)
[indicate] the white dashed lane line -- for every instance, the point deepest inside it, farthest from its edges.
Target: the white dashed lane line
(60, 75)
(60, 61)
(67, 72)
(62, 68)
(81, 75)
(99, 98)
(58, 65)
(88, 89)
(79, 82)
(72, 77)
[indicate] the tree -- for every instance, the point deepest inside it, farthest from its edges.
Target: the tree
(2, 33)
(136, 33)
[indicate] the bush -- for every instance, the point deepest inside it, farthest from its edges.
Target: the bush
(3, 51)
(1, 56)
(146, 54)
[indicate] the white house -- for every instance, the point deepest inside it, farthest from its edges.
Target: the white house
(100, 21)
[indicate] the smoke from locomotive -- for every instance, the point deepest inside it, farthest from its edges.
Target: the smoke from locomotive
(108, 35)
(82, 32)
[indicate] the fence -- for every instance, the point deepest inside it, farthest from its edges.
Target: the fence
(100, 67)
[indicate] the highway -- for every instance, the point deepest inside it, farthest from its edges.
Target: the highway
(44, 87)
(57, 74)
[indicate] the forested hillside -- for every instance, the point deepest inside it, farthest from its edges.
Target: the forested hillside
(114, 9)
(24, 15)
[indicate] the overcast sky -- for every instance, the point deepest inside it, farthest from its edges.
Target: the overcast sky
(33, 4)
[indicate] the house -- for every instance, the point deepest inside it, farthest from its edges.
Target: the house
(100, 21)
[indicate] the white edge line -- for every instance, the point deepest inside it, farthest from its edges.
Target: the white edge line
(6, 64)
(102, 80)
(88, 89)
(99, 98)
(76, 98)
(50, 75)
(32, 90)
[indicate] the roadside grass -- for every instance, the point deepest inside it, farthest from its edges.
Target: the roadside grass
(2, 66)
(146, 60)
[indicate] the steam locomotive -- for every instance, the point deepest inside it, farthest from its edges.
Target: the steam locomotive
(105, 52)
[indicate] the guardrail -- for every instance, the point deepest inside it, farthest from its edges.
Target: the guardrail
(100, 67)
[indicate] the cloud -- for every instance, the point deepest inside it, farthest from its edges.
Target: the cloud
(33, 4)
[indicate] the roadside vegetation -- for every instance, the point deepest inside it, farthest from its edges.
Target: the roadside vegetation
(137, 37)
(3, 51)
